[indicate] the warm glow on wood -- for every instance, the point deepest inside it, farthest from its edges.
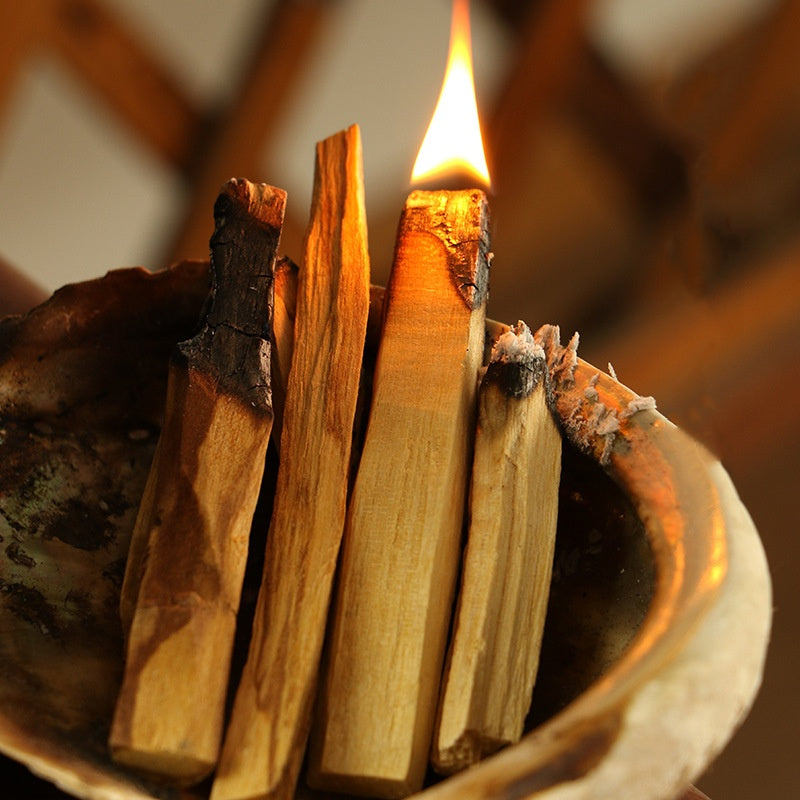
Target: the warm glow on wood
(453, 141)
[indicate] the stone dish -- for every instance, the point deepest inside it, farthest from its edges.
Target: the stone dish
(659, 612)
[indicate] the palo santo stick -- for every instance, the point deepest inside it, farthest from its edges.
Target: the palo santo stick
(169, 713)
(285, 302)
(402, 541)
(265, 739)
(281, 346)
(497, 631)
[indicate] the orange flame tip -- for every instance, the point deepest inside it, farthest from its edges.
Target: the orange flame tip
(453, 142)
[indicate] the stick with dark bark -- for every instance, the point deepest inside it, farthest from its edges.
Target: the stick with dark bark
(190, 542)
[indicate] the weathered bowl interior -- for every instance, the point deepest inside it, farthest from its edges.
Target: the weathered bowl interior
(82, 382)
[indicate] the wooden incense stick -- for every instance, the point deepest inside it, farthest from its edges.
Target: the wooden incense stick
(199, 504)
(285, 302)
(281, 346)
(497, 631)
(402, 542)
(265, 739)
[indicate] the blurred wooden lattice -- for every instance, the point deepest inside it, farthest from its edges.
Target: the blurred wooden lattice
(661, 218)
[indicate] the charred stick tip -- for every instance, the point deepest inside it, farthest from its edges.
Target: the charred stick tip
(517, 362)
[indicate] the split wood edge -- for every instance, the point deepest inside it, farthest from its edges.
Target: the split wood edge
(499, 619)
(288, 271)
(400, 555)
(191, 537)
(266, 736)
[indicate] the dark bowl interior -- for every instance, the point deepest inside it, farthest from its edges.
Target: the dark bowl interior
(603, 576)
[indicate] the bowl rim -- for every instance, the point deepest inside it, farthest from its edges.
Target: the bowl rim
(668, 706)
(660, 714)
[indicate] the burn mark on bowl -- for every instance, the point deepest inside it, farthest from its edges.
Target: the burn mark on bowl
(30, 605)
(80, 523)
(17, 554)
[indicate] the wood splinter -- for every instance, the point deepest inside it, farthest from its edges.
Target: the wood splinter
(266, 737)
(183, 579)
(402, 540)
(497, 632)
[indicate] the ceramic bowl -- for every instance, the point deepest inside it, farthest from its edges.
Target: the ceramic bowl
(659, 611)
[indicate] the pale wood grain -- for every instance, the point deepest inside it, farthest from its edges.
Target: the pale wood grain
(285, 303)
(265, 740)
(192, 532)
(502, 603)
(402, 541)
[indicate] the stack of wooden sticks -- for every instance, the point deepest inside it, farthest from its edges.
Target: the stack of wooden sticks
(438, 527)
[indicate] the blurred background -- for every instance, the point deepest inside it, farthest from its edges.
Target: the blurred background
(645, 157)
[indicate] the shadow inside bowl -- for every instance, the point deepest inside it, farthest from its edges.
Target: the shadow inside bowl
(603, 580)
(60, 640)
(602, 586)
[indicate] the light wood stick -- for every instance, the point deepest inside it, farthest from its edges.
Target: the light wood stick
(497, 632)
(282, 341)
(169, 713)
(281, 346)
(265, 739)
(402, 541)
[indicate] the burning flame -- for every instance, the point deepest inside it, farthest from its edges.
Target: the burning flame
(453, 141)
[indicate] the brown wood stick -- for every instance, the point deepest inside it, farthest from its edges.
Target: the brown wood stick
(402, 541)
(169, 713)
(285, 304)
(497, 632)
(281, 347)
(265, 739)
